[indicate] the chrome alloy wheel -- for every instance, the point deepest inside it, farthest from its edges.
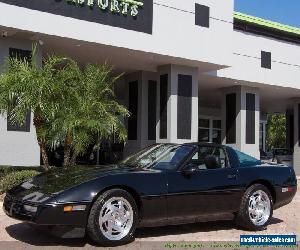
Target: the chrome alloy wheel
(116, 218)
(259, 208)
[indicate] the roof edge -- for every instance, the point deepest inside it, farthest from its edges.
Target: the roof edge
(266, 23)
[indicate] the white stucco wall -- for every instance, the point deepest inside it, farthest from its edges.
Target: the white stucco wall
(174, 31)
(246, 66)
(17, 148)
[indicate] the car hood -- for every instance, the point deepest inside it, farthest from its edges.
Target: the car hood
(44, 186)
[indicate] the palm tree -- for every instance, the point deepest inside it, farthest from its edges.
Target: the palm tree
(70, 106)
(26, 86)
(89, 111)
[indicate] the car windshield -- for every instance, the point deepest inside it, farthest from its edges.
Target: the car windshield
(282, 151)
(161, 156)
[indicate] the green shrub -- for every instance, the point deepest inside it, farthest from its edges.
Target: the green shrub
(4, 170)
(13, 178)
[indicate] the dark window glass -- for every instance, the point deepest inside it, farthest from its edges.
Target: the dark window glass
(202, 15)
(217, 136)
(152, 90)
(250, 118)
(164, 106)
(24, 127)
(184, 107)
(203, 135)
(133, 109)
(261, 136)
(204, 151)
(231, 118)
(266, 60)
(217, 124)
(204, 123)
(291, 130)
(20, 54)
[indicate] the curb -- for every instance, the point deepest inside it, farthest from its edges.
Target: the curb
(1, 210)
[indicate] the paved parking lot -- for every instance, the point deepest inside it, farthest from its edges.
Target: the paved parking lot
(286, 220)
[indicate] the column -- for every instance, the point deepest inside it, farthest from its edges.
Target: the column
(141, 96)
(289, 115)
(177, 105)
(240, 116)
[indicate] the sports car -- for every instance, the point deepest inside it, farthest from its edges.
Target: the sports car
(164, 184)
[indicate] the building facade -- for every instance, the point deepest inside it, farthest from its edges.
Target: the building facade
(195, 70)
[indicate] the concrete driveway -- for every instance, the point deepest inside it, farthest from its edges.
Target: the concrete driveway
(286, 220)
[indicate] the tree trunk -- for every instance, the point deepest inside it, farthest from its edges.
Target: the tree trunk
(67, 151)
(44, 155)
(73, 159)
(38, 122)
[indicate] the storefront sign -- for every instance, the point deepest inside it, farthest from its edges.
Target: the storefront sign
(126, 7)
(128, 14)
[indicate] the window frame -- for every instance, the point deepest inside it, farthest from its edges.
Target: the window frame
(211, 128)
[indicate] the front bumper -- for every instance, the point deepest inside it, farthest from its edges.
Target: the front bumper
(49, 216)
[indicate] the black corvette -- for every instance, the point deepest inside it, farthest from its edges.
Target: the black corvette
(161, 185)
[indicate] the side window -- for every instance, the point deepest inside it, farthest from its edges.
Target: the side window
(246, 160)
(205, 151)
(221, 157)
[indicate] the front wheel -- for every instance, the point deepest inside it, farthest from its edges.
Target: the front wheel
(256, 208)
(113, 218)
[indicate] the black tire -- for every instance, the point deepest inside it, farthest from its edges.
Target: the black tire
(243, 218)
(93, 227)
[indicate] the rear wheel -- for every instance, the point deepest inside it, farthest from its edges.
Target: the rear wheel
(256, 208)
(113, 218)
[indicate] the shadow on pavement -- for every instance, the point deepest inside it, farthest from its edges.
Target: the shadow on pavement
(192, 228)
(24, 233)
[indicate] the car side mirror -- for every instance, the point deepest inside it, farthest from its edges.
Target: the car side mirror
(189, 170)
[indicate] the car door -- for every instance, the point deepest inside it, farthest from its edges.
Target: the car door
(204, 191)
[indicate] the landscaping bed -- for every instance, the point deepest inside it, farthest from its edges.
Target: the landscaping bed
(12, 176)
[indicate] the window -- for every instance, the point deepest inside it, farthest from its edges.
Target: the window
(210, 130)
(160, 156)
(205, 151)
(204, 130)
(217, 132)
(246, 160)
(133, 109)
(266, 60)
(25, 127)
(202, 15)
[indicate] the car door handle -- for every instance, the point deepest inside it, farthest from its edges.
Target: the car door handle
(232, 176)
